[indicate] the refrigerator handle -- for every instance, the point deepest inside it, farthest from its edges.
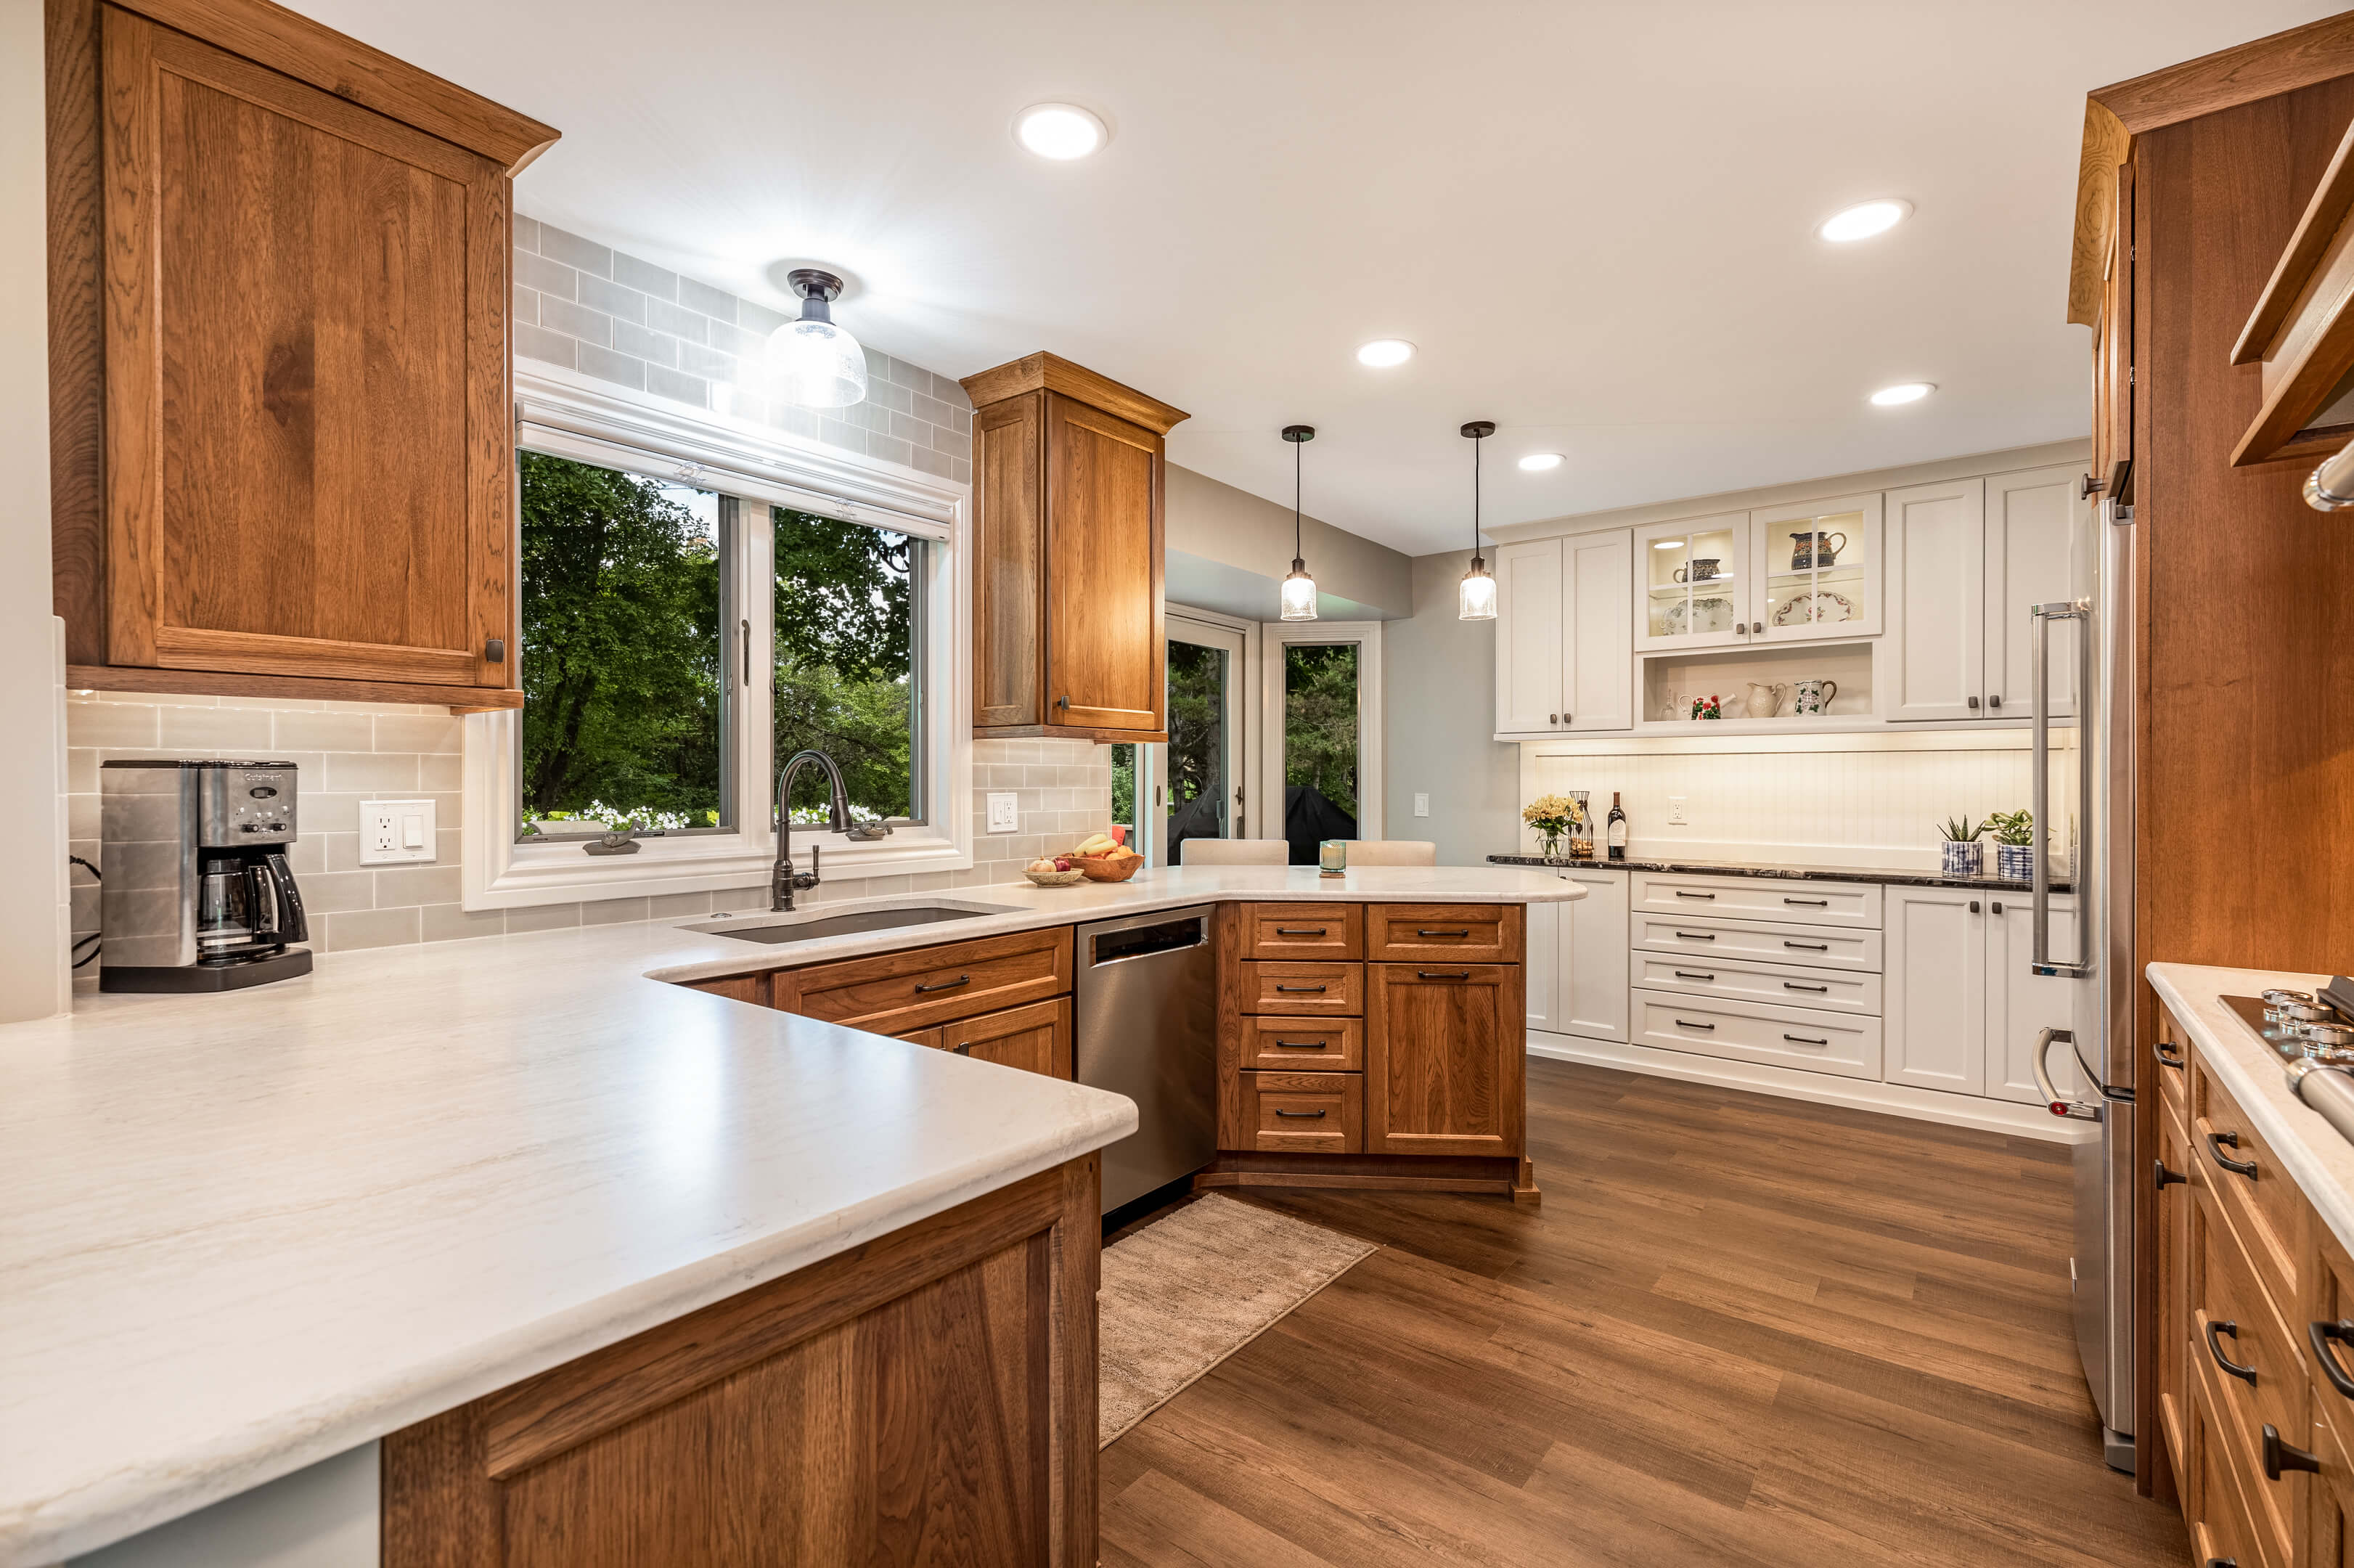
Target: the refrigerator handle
(2040, 616)
(2075, 1110)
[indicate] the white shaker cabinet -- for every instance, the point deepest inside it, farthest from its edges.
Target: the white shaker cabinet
(1962, 1011)
(1577, 958)
(2019, 1003)
(1564, 658)
(2038, 549)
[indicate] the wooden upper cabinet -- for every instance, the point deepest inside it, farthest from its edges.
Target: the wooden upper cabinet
(1068, 637)
(305, 472)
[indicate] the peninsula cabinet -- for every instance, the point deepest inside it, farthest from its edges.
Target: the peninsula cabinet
(1067, 564)
(1564, 649)
(279, 295)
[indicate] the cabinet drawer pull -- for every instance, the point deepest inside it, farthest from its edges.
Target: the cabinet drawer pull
(2318, 1336)
(1442, 974)
(2282, 1457)
(1804, 1040)
(2176, 1061)
(1682, 894)
(2222, 1562)
(1809, 903)
(2219, 1141)
(944, 985)
(1299, 930)
(964, 1048)
(1697, 936)
(1327, 1045)
(1687, 1023)
(1686, 974)
(1304, 1115)
(1795, 985)
(1301, 987)
(1808, 946)
(2162, 1178)
(2245, 1374)
(1422, 933)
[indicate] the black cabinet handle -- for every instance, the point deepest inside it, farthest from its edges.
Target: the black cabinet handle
(1697, 936)
(1809, 903)
(1794, 985)
(1682, 894)
(1302, 988)
(1687, 1023)
(2219, 1141)
(2177, 1061)
(1804, 1040)
(2164, 1178)
(495, 650)
(1299, 930)
(1442, 974)
(1994, 702)
(1997, 906)
(1062, 702)
(964, 1048)
(944, 985)
(1304, 1115)
(1327, 1045)
(2245, 1374)
(1686, 974)
(1808, 946)
(1974, 701)
(2318, 1336)
(2282, 1457)
(1974, 905)
(1422, 933)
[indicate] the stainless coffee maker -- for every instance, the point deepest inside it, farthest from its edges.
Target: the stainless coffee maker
(196, 890)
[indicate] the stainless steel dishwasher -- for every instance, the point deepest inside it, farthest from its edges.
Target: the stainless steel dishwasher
(1147, 1027)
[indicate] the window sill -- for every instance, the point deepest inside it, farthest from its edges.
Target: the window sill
(564, 874)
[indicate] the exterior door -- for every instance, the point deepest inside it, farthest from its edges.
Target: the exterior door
(1322, 709)
(1938, 630)
(1195, 779)
(1103, 551)
(1530, 654)
(306, 403)
(1446, 1058)
(1934, 1023)
(2037, 552)
(1598, 685)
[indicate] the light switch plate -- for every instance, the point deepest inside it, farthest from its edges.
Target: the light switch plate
(1422, 805)
(1004, 813)
(396, 833)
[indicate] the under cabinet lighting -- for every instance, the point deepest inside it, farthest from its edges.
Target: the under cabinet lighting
(1902, 392)
(1864, 219)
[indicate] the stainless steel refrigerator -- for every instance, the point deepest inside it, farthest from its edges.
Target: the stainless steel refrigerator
(2082, 788)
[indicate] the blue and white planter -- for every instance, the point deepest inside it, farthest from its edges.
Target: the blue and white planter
(1964, 857)
(2015, 863)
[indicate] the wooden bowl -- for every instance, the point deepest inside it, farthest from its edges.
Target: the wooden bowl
(1109, 868)
(1057, 878)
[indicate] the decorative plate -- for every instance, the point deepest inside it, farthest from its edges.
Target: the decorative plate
(1711, 614)
(1820, 607)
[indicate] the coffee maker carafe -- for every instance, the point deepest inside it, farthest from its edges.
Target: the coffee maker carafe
(196, 889)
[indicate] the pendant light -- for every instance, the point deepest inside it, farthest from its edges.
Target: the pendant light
(1299, 589)
(1477, 598)
(817, 365)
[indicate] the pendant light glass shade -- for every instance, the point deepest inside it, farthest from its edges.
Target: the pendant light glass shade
(816, 363)
(1299, 589)
(1477, 598)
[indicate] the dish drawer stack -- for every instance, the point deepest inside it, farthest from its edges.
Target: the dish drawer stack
(1758, 970)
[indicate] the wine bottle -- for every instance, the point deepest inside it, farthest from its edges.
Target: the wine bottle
(1617, 828)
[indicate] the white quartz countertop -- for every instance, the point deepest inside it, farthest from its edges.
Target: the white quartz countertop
(242, 1233)
(2316, 1157)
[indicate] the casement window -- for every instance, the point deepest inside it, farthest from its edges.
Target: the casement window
(699, 601)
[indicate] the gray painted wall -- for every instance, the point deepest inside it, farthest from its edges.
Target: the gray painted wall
(1439, 697)
(1229, 551)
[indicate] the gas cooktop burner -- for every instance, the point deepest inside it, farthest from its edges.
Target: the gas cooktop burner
(2298, 1023)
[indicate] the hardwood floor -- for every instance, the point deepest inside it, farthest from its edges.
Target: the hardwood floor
(1740, 1330)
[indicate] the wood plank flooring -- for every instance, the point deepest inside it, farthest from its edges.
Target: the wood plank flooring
(1740, 1330)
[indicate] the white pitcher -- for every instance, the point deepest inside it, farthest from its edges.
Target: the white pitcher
(1815, 696)
(1764, 700)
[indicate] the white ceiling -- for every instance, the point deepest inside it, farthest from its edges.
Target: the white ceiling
(1594, 219)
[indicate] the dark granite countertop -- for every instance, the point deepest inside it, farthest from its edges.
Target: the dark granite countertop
(1793, 873)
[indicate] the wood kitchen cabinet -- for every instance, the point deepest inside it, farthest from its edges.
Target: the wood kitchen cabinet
(1068, 566)
(1446, 1058)
(1564, 644)
(280, 267)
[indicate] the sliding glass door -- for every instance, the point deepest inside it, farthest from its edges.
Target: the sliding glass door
(1191, 787)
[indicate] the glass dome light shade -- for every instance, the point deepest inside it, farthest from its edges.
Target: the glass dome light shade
(818, 364)
(1477, 600)
(1298, 593)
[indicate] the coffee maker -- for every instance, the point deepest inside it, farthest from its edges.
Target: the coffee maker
(196, 892)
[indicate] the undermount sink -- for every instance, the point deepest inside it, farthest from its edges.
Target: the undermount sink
(810, 927)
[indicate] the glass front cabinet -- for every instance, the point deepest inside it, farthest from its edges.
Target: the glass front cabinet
(1691, 583)
(1736, 579)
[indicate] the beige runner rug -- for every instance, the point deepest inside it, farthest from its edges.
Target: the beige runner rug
(1189, 1291)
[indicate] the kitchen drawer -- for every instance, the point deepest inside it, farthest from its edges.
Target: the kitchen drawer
(1818, 947)
(1303, 930)
(897, 993)
(2215, 1504)
(2173, 1056)
(1753, 979)
(1458, 933)
(1296, 1045)
(1838, 1043)
(1778, 898)
(2231, 1320)
(1323, 990)
(2266, 1210)
(1304, 1113)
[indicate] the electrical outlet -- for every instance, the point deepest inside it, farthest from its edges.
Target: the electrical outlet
(1675, 811)
(1004, 813)
(1422, 805)
(396, 833)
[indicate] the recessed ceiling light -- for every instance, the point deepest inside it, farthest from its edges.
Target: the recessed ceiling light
(1864, 219)
(1383, 352)
(1537, 462)
(1902, 392)
(1060, 131)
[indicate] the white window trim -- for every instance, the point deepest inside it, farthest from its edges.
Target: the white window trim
(573, 417)
(1371, 760)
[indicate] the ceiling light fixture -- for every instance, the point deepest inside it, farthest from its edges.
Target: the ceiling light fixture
(1477, 598)
(1864, 219)
(817, 365)
(1060, 131)
(1540, 463)
(1384, 352)
(1902, 392)
(1299, 589)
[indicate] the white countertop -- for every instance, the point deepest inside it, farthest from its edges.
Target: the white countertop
(242, 1233)
(2316, 1157)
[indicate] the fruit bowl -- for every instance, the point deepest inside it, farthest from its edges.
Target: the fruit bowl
(1117, 866)
(1057, 878)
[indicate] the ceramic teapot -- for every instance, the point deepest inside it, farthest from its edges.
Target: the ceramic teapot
(1764, 700)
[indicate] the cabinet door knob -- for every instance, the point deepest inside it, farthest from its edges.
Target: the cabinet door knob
(1062, 702)
(1974, 701)
(1553, 718)
(1974, 905)
(1994, 702)
(1758, 627)
(2161, 1177)
(1564, 718)
(495, 650)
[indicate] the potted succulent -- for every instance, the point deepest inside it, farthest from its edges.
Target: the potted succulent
(1964, 856)
(2014, 844)
(1552, 816)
